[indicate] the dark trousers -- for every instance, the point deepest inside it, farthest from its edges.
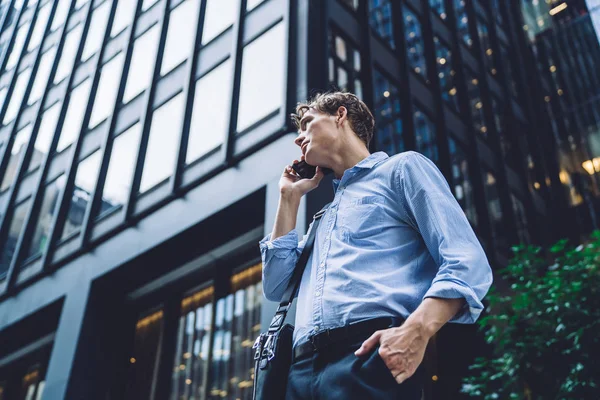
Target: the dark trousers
(338, 374)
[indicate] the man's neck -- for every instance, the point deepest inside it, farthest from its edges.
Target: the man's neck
(348, 159)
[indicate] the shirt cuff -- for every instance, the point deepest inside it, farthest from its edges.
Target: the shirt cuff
(282, 245)
(450, 289)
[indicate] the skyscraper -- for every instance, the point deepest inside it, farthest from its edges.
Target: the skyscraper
(141, 145)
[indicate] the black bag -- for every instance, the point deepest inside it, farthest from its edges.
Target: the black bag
(273, 349)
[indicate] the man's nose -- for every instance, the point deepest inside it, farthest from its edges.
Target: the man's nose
(299, 140)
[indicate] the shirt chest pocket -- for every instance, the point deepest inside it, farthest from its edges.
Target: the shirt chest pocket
(361, 216)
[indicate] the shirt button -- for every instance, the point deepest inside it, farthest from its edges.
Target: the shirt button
(316, 328)
(318, 293)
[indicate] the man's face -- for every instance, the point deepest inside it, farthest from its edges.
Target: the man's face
(318, 137)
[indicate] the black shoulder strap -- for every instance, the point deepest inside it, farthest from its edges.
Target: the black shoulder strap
(294, 284)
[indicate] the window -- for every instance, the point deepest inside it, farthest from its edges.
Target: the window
(425, 135)
(228, 373)
(40, 26)
(144, 358)
(14, 231)
(380, 17)
(162, 143)
(142, 63)
(15, 52)
(498, 111)
(251, 4)
(462, 187)
(344, 65)
(486, 46)
(439, 8)
(494, 209)
(180, 35)
(237, 324)
(60, 16)
(18, 148)
(123, 16)
(210, 116)
(446, 73)
(17, 96)
(95, 35)
(85, 180)
(43, 222)
(147, 4)
(508, 71)
(389, 134)
(475, 102)
(193, 338)
(106, 94)
(41, 77)
(462, 22)
(220, 14)
(261, 90)
(45, 135)
(520, 219)
(67, 57)
(26, 378)
(414, 42)
(120, 170)
(75, 113)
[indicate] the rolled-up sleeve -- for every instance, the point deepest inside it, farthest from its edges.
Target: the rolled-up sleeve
(429, 206)
(279, 258)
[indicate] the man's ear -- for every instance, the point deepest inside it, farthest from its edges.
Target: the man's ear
(342, 115)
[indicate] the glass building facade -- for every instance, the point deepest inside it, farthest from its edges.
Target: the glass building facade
(141, 144)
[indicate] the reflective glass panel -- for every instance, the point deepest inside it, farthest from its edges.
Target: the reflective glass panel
(439, 8)
(96, 31)
(85, 180)
(193, 338)
(475, 102)
(40, 26)
(120, 169)
(380, 17)
(123, 16)
(15, 52)
(143, 360)
(520, 219)
(41, 77)
(16, 153)
(147, 4)
(180, 35)
(67, 57)
(446, 73)
(61, 14)
(494, 209)
(462, 186)
(210, 116)
(425, 135)
(261, 90)
(486, 46)
(388, 118)
(162, 143)
(17, 96)
(142, 63)
(237, 324)
(47, 214)
(45, 135)
(108, 86)
(220, 14)
(462, 22)
(14, 231)
(75, 113)
(415, 48)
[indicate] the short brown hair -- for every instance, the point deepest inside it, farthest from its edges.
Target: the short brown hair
(359, 116)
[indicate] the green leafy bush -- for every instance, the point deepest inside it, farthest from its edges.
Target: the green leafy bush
(543, 328)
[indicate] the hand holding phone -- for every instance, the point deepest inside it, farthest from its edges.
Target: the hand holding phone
(307, 171)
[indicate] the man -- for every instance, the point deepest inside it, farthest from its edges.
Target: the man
(394, 259)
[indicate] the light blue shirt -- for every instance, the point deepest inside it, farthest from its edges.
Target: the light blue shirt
(393, 235)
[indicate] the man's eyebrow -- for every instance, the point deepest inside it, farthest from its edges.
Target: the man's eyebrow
(303, 119)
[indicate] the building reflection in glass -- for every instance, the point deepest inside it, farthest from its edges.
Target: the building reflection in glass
(462, 187)
(380, 18)
(425, 135)
(446, 73)
(415, 48)
(388, 119)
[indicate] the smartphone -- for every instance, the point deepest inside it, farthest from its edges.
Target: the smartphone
(307, 171)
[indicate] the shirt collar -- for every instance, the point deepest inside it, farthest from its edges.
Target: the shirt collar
(366, 163)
